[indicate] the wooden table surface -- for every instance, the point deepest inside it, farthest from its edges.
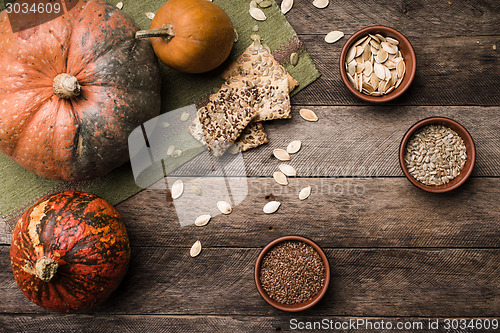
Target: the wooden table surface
(397, 253)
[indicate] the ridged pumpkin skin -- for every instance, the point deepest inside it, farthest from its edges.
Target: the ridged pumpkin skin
(85, 136)
(204, 35)
(85, 235)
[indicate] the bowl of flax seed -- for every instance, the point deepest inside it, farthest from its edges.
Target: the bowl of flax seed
(292, 273)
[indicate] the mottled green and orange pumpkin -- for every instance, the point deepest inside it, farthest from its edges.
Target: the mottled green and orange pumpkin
(72, 90)
(69, 251)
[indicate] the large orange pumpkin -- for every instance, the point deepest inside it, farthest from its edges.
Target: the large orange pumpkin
(198, 35)
(69, 251)
(72, 90)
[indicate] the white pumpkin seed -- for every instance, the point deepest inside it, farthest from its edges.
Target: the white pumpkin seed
(195, 249)
(257, 14)
(177, 189)
(165, 124)
(255, 28)
(294, 59)
(185, 116)
(333, 36)
(170, 150)
(320, 3)
(379, 70)
(281, 154)
(308, 115)
(235, 36)
(253, 4)
(351, 54)
(119, 5)
(288, 170)
(271, 207)
(392, 40)
(400, 69)
(196, 190)
(280, 178)
(224, 207)
(254, 37)
(176, 153)
(390, 48)
(294, 146)
(305, 193)
(265, 4)
(202, 220)
(286, 5)
(150, 15)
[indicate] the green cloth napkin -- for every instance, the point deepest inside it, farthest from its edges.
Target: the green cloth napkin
(20, 188)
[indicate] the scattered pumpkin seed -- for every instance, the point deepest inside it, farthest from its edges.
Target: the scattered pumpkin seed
(267, 48)
(271, 207)
(280, 178)
(308, 115)
(224, 207)
(253, 4)
(281, 154)
(254, 37)
(257, 44)
(294, 147)
(150, 15)
(294, 59)
(170, 150)
(202, 220)
(176, 153)
(286, 5)
(288, 170)
(185, 116)
(333, 36)
(196, 190)
(257, 14)
(235, 36)
(177, 189)
(119, 5)
(265, 4)
(166, 124)
(195, 249)
(255, 28)
(320, 3)
(305, 193)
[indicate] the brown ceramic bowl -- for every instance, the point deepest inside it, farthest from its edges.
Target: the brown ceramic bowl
(299, 306)
(406, 51)
(469, 146)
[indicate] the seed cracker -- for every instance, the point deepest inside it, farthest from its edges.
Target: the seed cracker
(257, 67)
(244, 62)
(225, 117)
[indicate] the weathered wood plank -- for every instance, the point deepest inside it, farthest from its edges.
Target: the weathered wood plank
(353, 212)
(412, 18)
(450, 71)
(285, 322)
(355, 141)
(365, 282)
(339, 213)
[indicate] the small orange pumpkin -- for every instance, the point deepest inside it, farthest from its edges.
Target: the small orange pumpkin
(196, 36)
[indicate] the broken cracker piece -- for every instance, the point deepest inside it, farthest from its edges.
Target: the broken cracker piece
(225, 117)
(252, 137)
(243, 65)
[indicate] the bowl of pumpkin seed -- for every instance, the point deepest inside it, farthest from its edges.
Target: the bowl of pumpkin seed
(377, 64)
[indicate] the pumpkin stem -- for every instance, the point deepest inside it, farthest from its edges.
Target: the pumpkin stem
(167, 32)
(45, 268)
(66, 86)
